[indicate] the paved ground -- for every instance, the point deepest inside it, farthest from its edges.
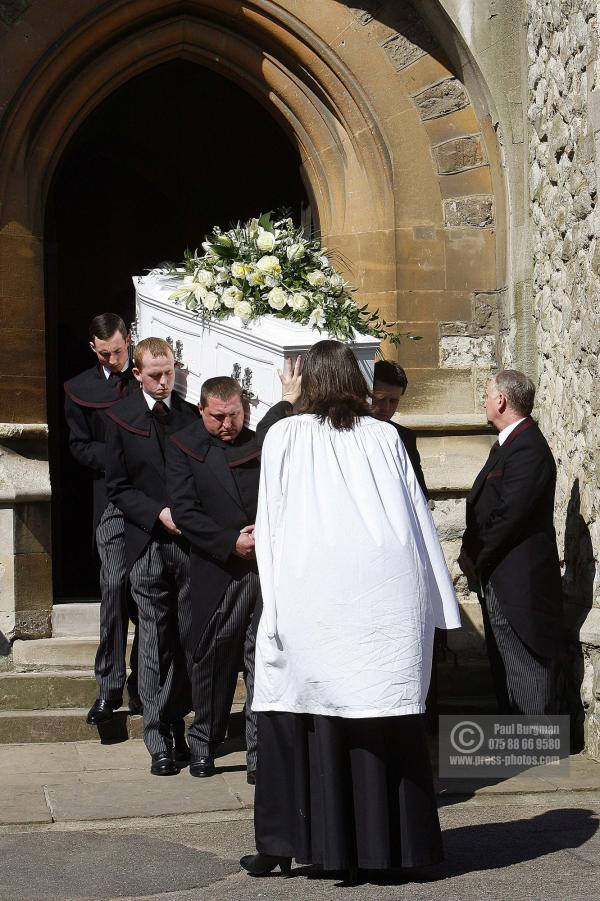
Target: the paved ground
(86, 821)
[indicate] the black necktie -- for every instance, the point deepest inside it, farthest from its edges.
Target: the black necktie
(160, 414)
(119, 380)
(160, 411)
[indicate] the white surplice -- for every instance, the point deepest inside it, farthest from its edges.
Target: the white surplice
(352, 573)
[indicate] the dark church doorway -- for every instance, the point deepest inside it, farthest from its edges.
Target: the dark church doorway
(167, 156)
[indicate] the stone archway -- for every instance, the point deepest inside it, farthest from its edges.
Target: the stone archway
(401, 168)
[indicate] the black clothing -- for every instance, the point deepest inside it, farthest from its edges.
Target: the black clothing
(339, 792)
(135, 466)
(409, 440)
(510, 536)
(88, 398)
(213, 486)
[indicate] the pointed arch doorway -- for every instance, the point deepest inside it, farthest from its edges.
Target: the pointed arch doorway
(168, 155)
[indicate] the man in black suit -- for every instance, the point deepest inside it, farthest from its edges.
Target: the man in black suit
(213, 471)
(157, 555)
(509, 551)
(389, 385)
(88, 398)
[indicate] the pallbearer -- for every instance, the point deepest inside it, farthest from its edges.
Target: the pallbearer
(213, 474)
(156, 553)
(89, 397)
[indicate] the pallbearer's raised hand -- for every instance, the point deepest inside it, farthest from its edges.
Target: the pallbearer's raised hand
(291, 379)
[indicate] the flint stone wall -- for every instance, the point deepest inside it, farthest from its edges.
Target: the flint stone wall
(564, 117)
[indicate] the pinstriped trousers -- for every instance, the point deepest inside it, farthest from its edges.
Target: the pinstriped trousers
(524, 682)
(160, 584)
(229, 637)
(109, 665)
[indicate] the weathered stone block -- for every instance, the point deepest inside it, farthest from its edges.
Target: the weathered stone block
(459, 154)
(32, 530)
(33, 582)
(12, 10)
(446, 97)
(365, 11)
(412, 41)
(461, 352)
(477, 212)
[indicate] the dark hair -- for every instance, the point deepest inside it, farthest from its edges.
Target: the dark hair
(221, 386)
(333, 387)
(105, 325)
(517, 388)
(390, 373)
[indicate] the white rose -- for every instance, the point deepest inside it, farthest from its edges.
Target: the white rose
(323, 261)
(269, 265)
(336, 281)
(277, 298)
(210, 300)
(265, 241)
(255, 277)
(231, 296)
(316, 278)
(199, 292)
(317, 318)
(243, 309)
(205, 278)
(295, 252)
(188, 282)
(238, 270)
(299, 302)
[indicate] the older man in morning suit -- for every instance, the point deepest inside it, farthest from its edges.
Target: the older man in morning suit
(88, 398)
(509, 551)
(157, 554)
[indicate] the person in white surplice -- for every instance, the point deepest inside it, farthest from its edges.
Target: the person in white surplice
(353, 582)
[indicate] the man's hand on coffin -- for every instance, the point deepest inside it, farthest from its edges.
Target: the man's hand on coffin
(291, 379)
(166, 521)
(244, 546)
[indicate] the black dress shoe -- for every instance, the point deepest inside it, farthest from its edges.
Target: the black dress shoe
(251, 777)
(136, 708)
(101, 711)
(202, 766)
(263, 864)
(163, 765)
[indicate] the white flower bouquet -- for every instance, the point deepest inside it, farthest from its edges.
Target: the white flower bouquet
(266, 267)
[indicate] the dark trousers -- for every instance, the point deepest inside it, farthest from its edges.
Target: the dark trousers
(160, 584)
(229, 639)
(116, 609)
(524, 682)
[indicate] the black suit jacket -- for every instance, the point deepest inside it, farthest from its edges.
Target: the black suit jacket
(135, 467)
(510, 536)
(211, 506)
(409, 440)
(88, 398)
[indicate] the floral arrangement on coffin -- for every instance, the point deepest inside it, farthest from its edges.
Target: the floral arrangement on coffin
(266, 267)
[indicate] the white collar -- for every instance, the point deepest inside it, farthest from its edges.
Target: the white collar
(506, 431)
(108, 372)
(152, 400)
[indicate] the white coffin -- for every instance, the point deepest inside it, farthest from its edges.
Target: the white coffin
(251, 352)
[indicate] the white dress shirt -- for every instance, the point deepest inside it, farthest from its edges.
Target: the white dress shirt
(153, 400)
(108, 372)
(503, 435)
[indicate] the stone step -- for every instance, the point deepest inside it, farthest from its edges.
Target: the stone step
(41, 691)
(77, 620)
(56, 653)
(25, 726)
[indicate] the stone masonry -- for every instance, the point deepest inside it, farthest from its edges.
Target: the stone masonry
(564, 117)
